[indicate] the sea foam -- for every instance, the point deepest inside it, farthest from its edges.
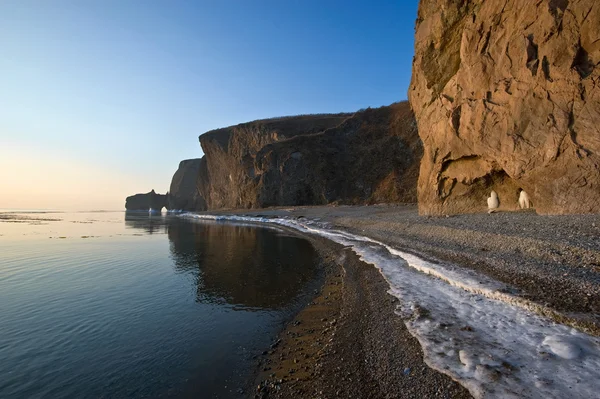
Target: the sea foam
(470, 327)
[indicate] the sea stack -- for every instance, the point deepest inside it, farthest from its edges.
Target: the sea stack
(145, 202)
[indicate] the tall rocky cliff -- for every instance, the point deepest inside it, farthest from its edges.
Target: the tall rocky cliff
(506, 97)
(371, 157)
(184, 193)
(368, 157)
(230, 153)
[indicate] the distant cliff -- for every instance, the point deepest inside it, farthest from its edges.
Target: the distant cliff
(144, 202)
(368, 157)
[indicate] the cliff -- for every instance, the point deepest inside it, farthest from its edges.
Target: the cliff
(367, 157)
(144, 202)
(505, 95)
(183, 192)
(231, 180)
(371, 157)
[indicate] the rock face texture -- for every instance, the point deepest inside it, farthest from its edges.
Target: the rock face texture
(367, 157)
(183, 192)
(372, 157)
(144, 202)
(506, 98)
(231, 181)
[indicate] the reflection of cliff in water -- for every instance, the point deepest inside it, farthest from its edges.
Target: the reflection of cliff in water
(245, 266)
(144, 221)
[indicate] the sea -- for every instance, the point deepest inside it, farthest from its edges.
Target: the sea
(138, 305)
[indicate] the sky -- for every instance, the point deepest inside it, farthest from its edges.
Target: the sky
(100, 99)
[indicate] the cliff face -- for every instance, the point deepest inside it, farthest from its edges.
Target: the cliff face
(183, 192)
(371, 157)
(231, 180)
(505, 95)
(144, 202)
(368, 157)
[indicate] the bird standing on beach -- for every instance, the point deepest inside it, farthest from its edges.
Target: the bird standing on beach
(524, 201)
(493, 202)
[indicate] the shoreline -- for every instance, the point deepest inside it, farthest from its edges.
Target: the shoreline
(548, 261)
(491, 245)
(333, 347)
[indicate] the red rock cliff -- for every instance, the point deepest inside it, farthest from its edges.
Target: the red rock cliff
(506, 97)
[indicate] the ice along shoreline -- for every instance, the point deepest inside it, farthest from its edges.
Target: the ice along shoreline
(468, 325)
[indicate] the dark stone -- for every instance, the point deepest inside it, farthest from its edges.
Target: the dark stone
(144, 202)
(183, 192)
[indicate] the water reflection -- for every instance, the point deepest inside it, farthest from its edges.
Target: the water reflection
(149, 223)
(249, 267)
(245, 266)
(132, 306)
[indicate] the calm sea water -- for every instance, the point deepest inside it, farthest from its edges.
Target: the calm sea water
(116, 305)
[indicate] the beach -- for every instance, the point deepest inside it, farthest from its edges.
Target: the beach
(547, 266)
(348, 343)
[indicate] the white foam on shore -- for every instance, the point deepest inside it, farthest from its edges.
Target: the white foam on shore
(469, 326)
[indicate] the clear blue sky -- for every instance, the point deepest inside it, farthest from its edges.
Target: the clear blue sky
(120, 90)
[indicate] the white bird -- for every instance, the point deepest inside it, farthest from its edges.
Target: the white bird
(493, 202)
(524, 201)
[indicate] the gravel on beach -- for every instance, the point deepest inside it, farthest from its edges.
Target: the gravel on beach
(550, 260)
(349, 343)
(553, 261)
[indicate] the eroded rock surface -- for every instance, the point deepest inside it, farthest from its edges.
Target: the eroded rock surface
(372, 157)
(506, 97)
(231, 180)
(368, 157)
(183, 192)
(144, 202)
